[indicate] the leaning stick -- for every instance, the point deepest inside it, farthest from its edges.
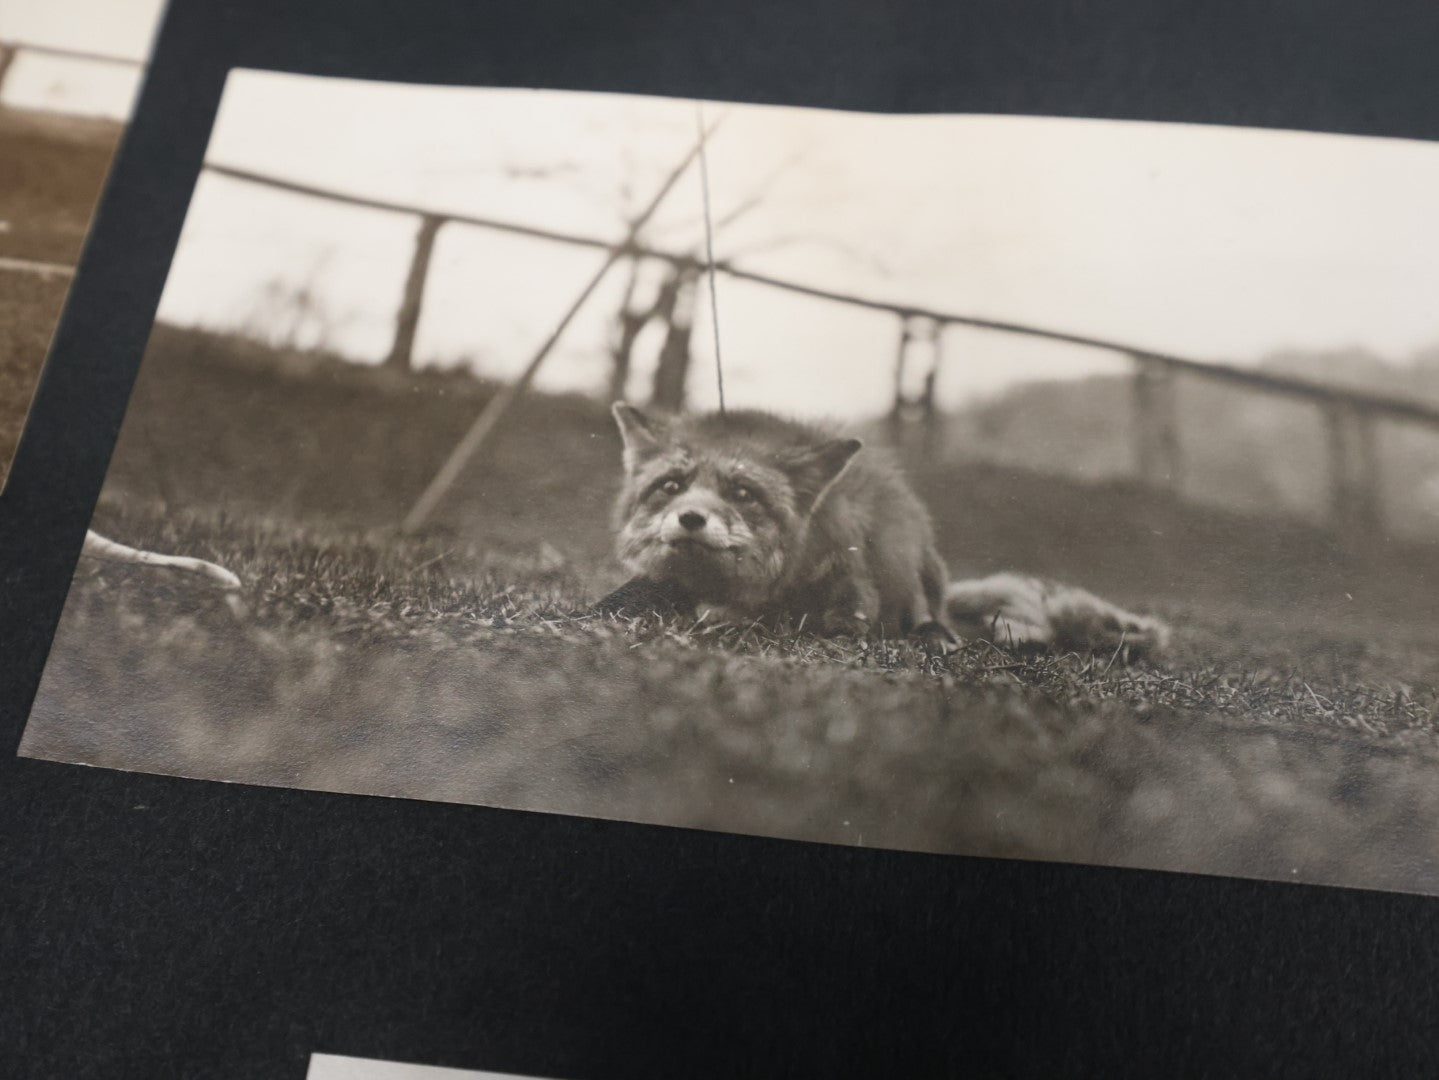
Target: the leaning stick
(482, 430)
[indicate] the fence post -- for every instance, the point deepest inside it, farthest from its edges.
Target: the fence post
(401, 356)
(928, 404)
(901, 363)
(1354, 509)
(7, 57)
(901, 366)
(1156, 425)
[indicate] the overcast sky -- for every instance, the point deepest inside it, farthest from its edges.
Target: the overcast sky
(1216, 243)
(1210, 242)
(121, 28)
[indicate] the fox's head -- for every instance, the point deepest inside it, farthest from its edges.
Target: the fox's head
(718, 503)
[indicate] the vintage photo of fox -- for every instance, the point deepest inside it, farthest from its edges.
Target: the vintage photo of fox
(755, 517)
(858, 479)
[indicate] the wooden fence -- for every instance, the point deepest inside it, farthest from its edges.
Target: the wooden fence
(1350, 417)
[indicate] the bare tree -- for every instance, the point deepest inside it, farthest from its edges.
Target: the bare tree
(292, 316)
(674, 303)
(676, 306)
(629, 323)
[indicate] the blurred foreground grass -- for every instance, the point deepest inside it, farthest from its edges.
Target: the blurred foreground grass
(431, 669)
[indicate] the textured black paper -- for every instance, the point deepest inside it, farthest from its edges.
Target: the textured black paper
(155, 927)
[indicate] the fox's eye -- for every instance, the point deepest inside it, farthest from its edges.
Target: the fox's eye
(742, 494)
(671, 486)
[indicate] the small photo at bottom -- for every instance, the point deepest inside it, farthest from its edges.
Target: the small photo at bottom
(340, 1067)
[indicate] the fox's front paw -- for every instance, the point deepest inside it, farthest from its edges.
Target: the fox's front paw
(936, 639)
(843, 623)
(642, 596)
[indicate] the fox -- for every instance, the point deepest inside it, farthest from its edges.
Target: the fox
(757, 517)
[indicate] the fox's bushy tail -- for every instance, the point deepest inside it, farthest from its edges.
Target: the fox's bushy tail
(1017, 611)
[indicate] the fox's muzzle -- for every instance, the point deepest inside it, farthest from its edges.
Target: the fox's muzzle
(698, 518)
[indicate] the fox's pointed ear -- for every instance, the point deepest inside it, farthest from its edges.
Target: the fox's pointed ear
(814, 470)
(643, 437)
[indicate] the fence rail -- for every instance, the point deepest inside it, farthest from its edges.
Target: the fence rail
(9, 50)
(1390, 407)
(1349, 417)
(35, 266)
(62, 53)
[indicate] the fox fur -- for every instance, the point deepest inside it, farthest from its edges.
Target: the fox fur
(757, 517)
(761, 517)
(1017, 610)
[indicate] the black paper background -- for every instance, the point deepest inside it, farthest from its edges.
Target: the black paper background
(154, 927)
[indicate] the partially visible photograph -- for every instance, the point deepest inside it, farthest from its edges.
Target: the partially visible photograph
(69, 70)
(1009, 486)
(337, 1067)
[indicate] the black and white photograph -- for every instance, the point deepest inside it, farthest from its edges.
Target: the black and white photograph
(342, 1067)
(1053, 489)
(68, 73)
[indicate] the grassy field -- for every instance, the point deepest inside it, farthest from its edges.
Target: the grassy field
(51, 169)
(29, 307)
(1290, 734)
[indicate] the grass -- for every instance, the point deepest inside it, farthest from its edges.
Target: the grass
(51, 170)
(50, 176)
(29, 307)
(468, 671)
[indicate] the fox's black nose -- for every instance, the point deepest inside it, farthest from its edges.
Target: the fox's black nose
(692, 520)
